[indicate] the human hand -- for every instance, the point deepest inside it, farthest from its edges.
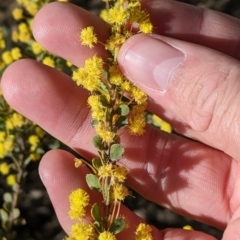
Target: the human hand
(199, 180)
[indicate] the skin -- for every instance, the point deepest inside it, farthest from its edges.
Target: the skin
(198, 178)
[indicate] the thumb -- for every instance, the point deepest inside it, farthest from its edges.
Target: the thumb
(197, 86)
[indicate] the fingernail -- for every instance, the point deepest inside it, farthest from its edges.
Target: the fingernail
(150, 61)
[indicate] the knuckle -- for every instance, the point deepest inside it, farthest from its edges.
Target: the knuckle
(208, 99)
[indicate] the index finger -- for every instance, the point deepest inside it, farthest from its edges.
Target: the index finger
(57, 28)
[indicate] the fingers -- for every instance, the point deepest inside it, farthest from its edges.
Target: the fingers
(61, 106)
(186, 176)
(60, 178)
(199, 86)
(198, 25)
(57, 27)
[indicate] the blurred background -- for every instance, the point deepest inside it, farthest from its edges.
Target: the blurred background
(40, 220)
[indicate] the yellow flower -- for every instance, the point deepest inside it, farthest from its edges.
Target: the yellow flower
(106, 135)
(90, 75)
(32, 8)
(146, 27)
(117, 15)
(69, 64)
(24, 34)
(104, 15)
(35, 156)
(120, 173)
(94, 101)
(164, 126)
(24, 37)
(3, 152)
(7, 57)
(82, 231)
(88, 37)
(188, 227)
(78, 199)
(2, 44)
(119, 192)
(137, 15)
(36, 48)
(16, 53)
(94, 65)
(40, 133)
(126, 86)
(15, 36)
(106, 235)
(78, 162)
(114, 42)
(143, 232)
(49, 62)
(137, 125)
(4, 168)
(138, 95)
(23, 28)
(9, 143)
(14, 120)
(11, 180)
(105, 170)
(2, 136)
(17, 13)
(115, 75)
(2, 65)
(33, 139)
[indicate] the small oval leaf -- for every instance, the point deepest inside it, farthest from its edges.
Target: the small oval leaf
(116, 152)
(121, 122)
(95, 212)
(92, 181)
(123, 110)
(98, 142)
(96, 162)
(117, 226)
(4, 215)
(16, 213)
(7, 197)
(94, 123)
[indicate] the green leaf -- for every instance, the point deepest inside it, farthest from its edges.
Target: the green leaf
(96, 162)
(121, 122)
(123, 110)
(98, 143)
(16, 213)
(3, 215)
(117, 226)
(104, 87)
(92, 182)
(104, 101)
(94, 123)
(95, 212)
(42, 151)
(7, 206)
(53, 144)
(98, 226)
(7, 197)
(116, 152)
